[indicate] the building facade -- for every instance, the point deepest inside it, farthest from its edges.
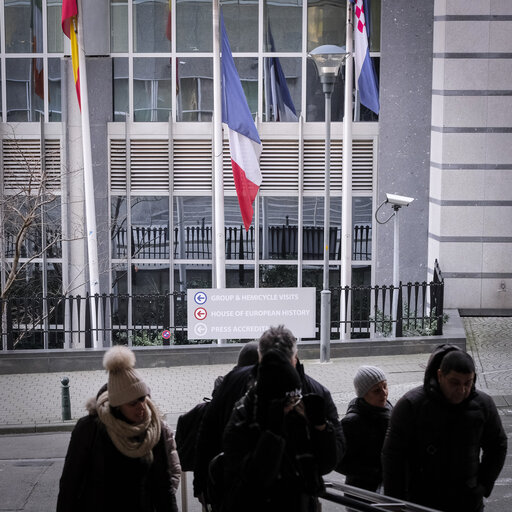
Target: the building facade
(442, 136)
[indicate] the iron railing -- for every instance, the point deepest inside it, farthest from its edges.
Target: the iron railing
(195, 242)
(361, 500)
(419, 309)
(139, 320)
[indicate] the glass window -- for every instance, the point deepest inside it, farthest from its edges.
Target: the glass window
(313, 231)
(15, 210)
(119, 25)
(282, 88)
(118, 231)
(283, 26)
(148, 278)
(278, 276)
(150, 30)
(362, 221)
(151, 89)
(23, 26)
(55, 35)
(240, 276)
(193, 236)
(54, 88)
(278, 227)
(315, 99)
(241, 21)
(326, 23)
(374, 24)
(195, 90)
(53, 227)
(150, 227)
(194, 26)
(248, 72)
(239, 243)
(121, 88)
(25, 89)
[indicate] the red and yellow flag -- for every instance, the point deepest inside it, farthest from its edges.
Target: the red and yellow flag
(70, 28)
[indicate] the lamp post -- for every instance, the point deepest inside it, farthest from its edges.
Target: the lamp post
(396, 203)
(328, 60)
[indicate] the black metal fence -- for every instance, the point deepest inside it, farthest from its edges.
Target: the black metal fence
(147, 320)
(195, 242)
(419, 308)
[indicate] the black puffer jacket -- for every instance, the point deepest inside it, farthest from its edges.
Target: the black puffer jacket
(233, 388)
(442, 455)
(364, 427)
(274, 473)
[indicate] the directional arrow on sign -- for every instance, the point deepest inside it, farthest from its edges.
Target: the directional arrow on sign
(200, 313)
(200, 297)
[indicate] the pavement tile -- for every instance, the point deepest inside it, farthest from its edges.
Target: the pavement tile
(34, 400)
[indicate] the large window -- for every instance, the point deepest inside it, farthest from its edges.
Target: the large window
(267, 40)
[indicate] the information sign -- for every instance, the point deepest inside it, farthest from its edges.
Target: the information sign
(245, 313)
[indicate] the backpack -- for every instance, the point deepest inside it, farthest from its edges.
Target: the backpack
(187, 430)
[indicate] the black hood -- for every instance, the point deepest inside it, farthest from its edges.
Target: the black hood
(430, 382)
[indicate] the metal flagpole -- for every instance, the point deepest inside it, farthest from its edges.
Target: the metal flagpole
(346, 201)
(90, 207)
(218, 197)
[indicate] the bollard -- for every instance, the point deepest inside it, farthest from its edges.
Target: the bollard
(66, 401)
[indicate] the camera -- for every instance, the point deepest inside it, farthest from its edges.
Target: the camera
(396, 200)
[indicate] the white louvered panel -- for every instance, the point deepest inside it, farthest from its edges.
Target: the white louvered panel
(118, 164)
(314, 164)
(52, 162)
(192, 165)
(362, 165)
(149, 165)
(279, 164)
(22, 164)
(227, 174)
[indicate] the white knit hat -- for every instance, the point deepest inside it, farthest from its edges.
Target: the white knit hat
(366, 377)
(124, 382)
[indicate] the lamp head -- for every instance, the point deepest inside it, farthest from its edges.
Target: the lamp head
(328, 59)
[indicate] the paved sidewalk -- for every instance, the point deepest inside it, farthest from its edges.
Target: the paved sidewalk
(32, 402)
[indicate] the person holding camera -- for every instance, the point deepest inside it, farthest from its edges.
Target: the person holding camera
(277, 444)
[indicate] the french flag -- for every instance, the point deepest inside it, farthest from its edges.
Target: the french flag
(365, 72)
(244, 141)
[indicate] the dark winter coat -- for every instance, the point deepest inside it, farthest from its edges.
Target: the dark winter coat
(442, 455)
(233, 388)
(97, 476)
(274, 472)
(364, 427)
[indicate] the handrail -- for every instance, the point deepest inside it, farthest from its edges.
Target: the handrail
(367, 501)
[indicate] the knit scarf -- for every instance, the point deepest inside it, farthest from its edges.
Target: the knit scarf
(134, 441)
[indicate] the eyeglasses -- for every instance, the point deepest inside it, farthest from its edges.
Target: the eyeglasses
(293, 397)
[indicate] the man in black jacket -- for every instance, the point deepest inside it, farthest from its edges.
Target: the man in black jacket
(234, 386)
(445, 445)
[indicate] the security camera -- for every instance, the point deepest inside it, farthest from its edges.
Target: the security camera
(399, 200)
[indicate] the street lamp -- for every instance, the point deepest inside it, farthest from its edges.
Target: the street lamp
(396, 203)
(328, 60)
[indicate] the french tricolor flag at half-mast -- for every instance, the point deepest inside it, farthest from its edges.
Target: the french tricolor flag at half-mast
(365, 72)
(244, 141)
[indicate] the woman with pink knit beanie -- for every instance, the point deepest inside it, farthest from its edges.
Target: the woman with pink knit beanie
(122, 455)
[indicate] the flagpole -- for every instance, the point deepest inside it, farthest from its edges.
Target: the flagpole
(90, 207)
(218, 199)
(346, 209)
